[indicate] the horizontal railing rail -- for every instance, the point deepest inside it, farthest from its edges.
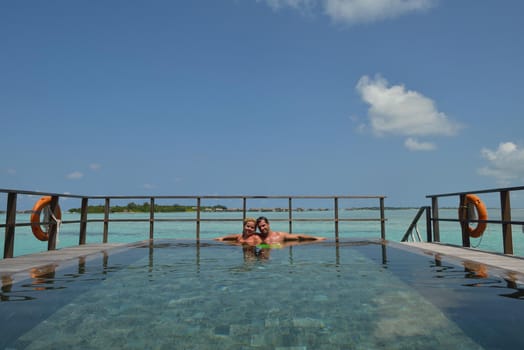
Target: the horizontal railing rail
(505, 215)
(12, 197)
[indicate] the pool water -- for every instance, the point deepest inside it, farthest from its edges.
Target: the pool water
(182, 295)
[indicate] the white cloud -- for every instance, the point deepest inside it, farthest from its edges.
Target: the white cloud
(355, 11)
(11, 171)
(505, 163)
(75, 175)
(296, 4)
(149, 186)
(94, 166)
(397, 111)
(394, 110)
(414, 145)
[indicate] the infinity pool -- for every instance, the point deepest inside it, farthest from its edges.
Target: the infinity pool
(183, 295)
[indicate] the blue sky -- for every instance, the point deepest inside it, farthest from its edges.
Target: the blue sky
(401, 98)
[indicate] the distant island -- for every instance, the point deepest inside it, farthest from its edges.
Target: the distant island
(146, 208)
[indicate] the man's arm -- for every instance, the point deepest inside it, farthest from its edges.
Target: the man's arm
(301, 237)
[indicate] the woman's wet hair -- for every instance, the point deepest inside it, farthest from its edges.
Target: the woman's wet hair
(246, 220)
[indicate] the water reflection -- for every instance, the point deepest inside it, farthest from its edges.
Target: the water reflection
(43, 277)
(7, 284)
(477, 274)
(47, 278)
(469, 274)
(262, 251)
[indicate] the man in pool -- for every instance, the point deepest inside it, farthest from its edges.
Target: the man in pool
(248, 235)
(269, 237)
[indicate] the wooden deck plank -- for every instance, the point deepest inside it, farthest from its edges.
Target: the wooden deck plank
(501, 264)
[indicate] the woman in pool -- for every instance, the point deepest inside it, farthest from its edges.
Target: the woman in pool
(248, 235)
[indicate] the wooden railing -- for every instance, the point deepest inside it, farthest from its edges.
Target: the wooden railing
(12, 197)
(505, 216)
(413, 227)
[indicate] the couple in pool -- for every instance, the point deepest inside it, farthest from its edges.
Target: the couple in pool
(265, 235)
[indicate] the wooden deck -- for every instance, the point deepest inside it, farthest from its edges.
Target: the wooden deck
(19, 268)
(506, 266)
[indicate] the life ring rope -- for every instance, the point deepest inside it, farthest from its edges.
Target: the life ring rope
(58, 223)
(469, 200)
(36, 227)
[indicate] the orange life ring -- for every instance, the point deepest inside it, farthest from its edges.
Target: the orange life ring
(35, 217)
(481, 211)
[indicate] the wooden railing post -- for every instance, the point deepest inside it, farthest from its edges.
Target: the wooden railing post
(53, 225)
(106, 219)
(335, 208)
(10, 225)
(382, 219)
(435, 221)
(83, 221)
(198, 220)
(429, 236)
(244, 208)
(290, 214)
(152, 218)
(465, 222)
(505, 215)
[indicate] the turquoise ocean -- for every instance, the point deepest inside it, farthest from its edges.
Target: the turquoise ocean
(398, 220)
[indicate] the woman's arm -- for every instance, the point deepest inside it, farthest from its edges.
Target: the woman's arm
(232, 237)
